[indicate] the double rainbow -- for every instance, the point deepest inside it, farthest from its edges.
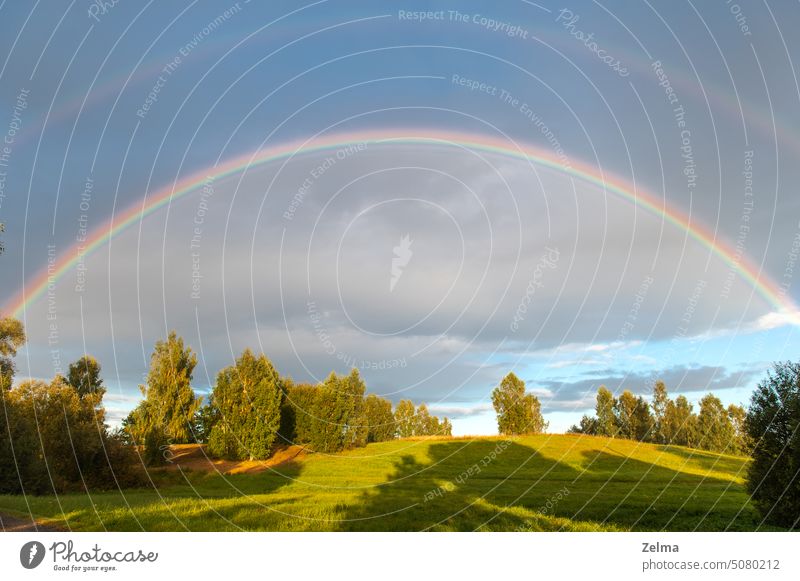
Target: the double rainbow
(765, 287)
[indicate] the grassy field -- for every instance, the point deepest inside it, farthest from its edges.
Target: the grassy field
(537, 483)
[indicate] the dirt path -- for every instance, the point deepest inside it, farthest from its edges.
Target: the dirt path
(194, 457)
(12, 524)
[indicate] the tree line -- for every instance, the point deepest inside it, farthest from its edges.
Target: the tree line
(252, 408)
(667, 421)
(58, 440)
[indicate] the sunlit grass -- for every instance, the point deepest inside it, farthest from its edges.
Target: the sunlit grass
(546, 482)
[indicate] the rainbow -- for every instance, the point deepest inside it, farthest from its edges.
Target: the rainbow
(116, 224)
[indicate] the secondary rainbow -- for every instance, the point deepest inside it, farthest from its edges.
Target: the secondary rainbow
(763, 285)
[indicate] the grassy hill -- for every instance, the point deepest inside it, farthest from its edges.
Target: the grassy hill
(537, 483)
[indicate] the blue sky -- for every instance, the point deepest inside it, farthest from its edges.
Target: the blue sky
(135, 96)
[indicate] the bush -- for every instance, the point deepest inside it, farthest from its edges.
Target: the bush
(773, 425)
(59, 442)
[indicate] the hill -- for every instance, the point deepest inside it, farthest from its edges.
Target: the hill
(537, 483)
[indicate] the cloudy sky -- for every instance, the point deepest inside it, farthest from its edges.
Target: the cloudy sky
(437, 193)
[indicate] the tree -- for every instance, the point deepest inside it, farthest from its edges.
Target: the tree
(12, 337)
(339, 420)
(205, 419)
(741, 441)
(715, 431)
(247, 400)
(773, 425)
(680, 422)
(586, 426)
(446, 428)
(424, 423)
(604, 409)
(643, 423)
(380, 420)
(59, 442)
(507, 399)
(84, 376)
(624, 410)
(297, 413)
(517, 412)
(660, 401)
(535, 423)
(167, 412)
(404, 417)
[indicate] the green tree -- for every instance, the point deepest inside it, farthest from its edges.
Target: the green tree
(446, 428)
(380, 420)
(297, 413)
(517, 412)
(424, 423)
(339, 420)
(741, 440)
(586, 426)
(507, 399)
(12, 337)
(643, 423)
(660, 402)
(680, 422)
(205, 419)
(715, 431)
(624, 413)
(773, 425)
(84, 376)
(604, 409)
(169, 407)
(535, 423)
(247, 400)
(404, 417)
(60, 442)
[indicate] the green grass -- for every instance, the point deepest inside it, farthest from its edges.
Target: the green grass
(482, 484)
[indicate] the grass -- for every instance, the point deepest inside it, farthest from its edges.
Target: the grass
(536, 483)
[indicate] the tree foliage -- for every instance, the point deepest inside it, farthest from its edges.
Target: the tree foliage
(517, 412)
(773, 425)
(84, 376)
(167, 413)
(604, 408)
(297, 413)
(339, 421)
(660, 402)
(714, 428)
(247, 403)
(380, 420)
(404, 417)
(12, 337)
(59, 442)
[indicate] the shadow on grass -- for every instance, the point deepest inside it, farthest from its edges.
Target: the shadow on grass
(643, 496)
(503, 485)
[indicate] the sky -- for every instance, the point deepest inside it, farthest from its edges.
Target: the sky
(436, 193)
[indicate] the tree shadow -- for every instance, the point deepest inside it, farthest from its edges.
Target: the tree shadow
(465, 486)
(504, 485)
(640, 495)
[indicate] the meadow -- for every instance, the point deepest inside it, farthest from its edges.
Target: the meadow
(529, 483)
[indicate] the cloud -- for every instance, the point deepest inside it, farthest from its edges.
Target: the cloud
(580, 393)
